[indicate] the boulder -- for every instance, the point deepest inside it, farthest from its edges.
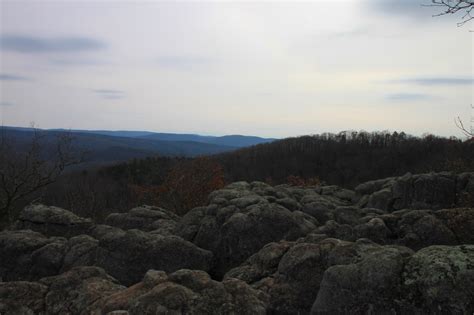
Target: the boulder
(73, 291)
(422, 191)
(22, 298)
(440, 279)
(28, 255)
(145, 218)
(370, 283)
(184, 291)
(52, 221)
(233, 235)
(126, 255)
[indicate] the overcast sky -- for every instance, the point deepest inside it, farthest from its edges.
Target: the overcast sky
(257, 68)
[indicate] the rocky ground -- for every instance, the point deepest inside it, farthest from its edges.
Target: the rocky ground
(400, 245)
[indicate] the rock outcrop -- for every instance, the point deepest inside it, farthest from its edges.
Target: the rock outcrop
(145, 218)
(89, 290)
(126, 255)
(401, 245)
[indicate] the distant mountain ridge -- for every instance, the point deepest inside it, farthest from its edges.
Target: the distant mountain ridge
(237, 141)
(105, 146)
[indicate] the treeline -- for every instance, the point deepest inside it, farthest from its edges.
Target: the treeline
(348, 158)
(344, 159)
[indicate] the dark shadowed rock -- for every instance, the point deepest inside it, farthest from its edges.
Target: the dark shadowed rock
(28, 255)
(22, 298)
(52, 221)
(412, 228)
(145, 218)
(73, 291)
(126, 255)
(423, 191)
(460, 221)
(370, 283)
(289, 272)
(243, 233)
(185, 292)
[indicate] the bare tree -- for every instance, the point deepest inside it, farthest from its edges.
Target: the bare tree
(460, 125)
(24, 170)
(463, 7)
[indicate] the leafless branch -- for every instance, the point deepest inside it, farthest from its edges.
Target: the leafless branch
(25, 170)
(465, 7)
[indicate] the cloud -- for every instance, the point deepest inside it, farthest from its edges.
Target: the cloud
(12, 77)
(77, 62)
(356, 32)
(406, 8)
(6, 104)
(436, 81)
(110, 94)
(183, 62)
(34, 45)
(402, 97)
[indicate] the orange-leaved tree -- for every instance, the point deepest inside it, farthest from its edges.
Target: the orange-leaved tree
(189, 183)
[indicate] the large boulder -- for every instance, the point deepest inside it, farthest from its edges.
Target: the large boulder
(234, 234)
(73, 291)
(440, 279)
(28, 255)
(52, 221)
(89, 290)
(390, 280)
(291, 273)
(422, 191)
(412, 228)
(145, 218)
(185, 292)
(126, 255)
(369, 283)
(22, 298)
(243, 217)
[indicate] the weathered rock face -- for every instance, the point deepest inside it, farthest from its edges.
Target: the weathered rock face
(145, 218)
(437, 279)
(243, 217)
(22, 298)
(391, 246)
(369, 282)
(72, 291)
(440, 279)
(127, 255)
(424, 191)
(412, 228)
(28, 255)
(52, 221)
(291, 272)
(89, 290)
(186, 291)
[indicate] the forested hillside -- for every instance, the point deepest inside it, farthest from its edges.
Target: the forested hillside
(347, 158)
(178, 184)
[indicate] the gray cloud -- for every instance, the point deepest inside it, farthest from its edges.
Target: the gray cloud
(407, 8)
(6, 104)
(110, 94)
(361, 31)
(30, 44)
(12, 77)
(430, 81)
(77, 62)
(183, 62)
(401, 97)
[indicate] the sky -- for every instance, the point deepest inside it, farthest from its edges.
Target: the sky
(273, 69)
